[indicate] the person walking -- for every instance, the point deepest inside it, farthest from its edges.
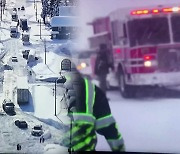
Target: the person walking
(43, 139)
(90, 113)
(40, 139)
(102, 66)
(18, 147)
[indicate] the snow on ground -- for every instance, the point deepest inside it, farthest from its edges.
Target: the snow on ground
(55, 149)
(40, 109)
(147, 124)
(10, 135)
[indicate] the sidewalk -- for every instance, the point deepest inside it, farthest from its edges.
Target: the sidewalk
(5, 26)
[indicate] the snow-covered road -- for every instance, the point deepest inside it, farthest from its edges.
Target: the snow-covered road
(148, 123)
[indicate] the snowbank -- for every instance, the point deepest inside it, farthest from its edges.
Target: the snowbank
(55, 149)
(69, 48)
(42, 69)
(47, 134)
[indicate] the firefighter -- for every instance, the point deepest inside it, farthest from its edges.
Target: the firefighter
(102, 66)
(90, 113)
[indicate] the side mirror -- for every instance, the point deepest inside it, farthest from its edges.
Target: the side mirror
(66, 65)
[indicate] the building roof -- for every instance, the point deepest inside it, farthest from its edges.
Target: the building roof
(65, 21)
(68, 11)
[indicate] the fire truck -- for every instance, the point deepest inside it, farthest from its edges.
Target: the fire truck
(144, 45)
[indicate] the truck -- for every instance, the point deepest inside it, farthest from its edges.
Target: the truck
(22, 90)
(24, 23)
(25, 38)
(25, 53)
(8, 92)
(14, 29)
(144, 46)
(64, 27)
(14, 16)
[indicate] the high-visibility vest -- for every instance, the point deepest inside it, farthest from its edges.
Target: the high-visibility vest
(86, 141)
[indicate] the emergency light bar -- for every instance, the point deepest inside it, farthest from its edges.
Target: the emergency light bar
(155, 11)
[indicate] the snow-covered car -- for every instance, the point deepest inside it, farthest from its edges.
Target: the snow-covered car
(14, 59)
(22, 8)
(8, 67)
(15, 9)
(21, 124)
(8, 106)
(37, 130)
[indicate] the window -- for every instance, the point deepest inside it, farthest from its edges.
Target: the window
(115, 39)
(175, 20)
(54, 28)
(148, 31)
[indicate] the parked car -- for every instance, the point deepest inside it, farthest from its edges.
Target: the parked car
(37, 130)
(22, 8)
(15, 9)
(21, 124)
(8, 67)
(14, 59)
(8, 106)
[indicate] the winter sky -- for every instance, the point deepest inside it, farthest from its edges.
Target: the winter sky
(90, 9)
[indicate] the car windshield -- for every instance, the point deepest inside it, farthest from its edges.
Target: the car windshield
(13, 31)
(9, 104)
(23, 122)
(37, 128)
(149, 31)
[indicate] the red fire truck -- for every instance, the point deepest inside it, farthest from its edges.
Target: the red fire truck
(145, 46)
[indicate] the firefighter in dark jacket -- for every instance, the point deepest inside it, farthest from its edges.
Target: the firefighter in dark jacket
(90, 113)
(102, 66)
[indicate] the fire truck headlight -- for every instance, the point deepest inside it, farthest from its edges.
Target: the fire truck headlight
(147, 63)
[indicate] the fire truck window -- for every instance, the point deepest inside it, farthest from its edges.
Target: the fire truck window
(148, 31)
(114, 25)
(124, 30)
(176, 28)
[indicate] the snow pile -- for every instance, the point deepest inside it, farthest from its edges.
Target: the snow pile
(69, 48)
(55, 149)
(47, 134)
(45, 106)
(42, 69)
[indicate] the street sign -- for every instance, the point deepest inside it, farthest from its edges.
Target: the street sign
(66, 65)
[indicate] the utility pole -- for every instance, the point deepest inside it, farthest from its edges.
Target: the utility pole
(40, 28)
(55, 98)
(36, 11)
(3, 5)
(1, 10)
(34, 4)
(45, 49)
